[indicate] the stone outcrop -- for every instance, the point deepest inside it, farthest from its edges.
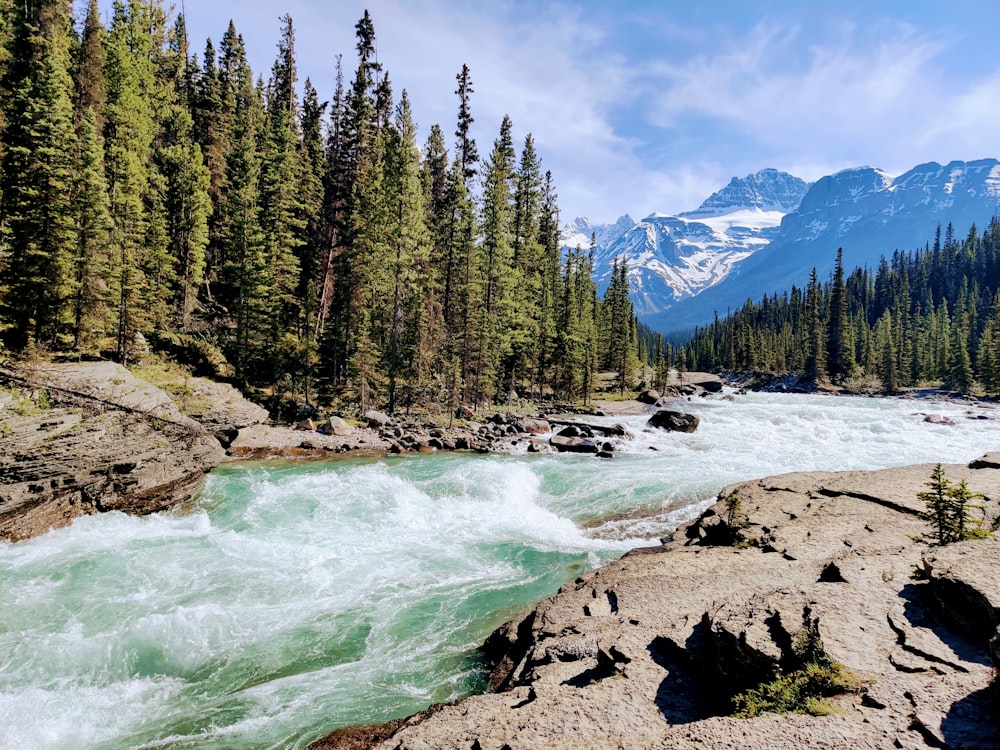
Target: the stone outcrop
(269, 441)
(674, 421)
(77, 439)
(648, 651)
(221, 409)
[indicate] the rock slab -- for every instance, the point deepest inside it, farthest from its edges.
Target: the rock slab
(90, 437)
(647, 652)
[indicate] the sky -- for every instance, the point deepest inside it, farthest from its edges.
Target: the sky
(647, 106)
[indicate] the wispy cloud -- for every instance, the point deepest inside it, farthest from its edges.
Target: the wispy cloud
(854, 100)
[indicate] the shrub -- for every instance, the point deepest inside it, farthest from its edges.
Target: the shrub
(950, 510)
(804, 689)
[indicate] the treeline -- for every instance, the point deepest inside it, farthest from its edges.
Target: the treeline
(311, 245)
(928, 316)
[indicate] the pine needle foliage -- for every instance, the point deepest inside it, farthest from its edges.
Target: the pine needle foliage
(952, 510)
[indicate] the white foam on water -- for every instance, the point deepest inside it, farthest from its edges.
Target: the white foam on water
(297, 597)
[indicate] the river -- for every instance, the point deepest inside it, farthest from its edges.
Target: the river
(293, 598)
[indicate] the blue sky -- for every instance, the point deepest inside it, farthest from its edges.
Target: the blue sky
(650, 106)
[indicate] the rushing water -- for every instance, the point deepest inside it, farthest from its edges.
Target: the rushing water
(296, 598)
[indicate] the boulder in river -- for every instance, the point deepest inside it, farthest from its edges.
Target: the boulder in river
(648, 397)
(536, 426)
(573, 444)
(674, 421)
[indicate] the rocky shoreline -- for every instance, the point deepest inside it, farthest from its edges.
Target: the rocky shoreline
(87, 437)
(648, 651)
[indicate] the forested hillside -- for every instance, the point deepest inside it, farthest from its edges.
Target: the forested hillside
(149, 194)
(928, 316)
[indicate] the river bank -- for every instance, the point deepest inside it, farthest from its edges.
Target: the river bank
(647, 651)
(87, 437)
(279, 537)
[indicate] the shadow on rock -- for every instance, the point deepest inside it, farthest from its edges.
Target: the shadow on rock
(973, 721)
(921, 612)
(682, 697)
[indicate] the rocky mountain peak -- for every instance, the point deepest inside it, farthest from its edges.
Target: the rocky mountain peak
(766, 190)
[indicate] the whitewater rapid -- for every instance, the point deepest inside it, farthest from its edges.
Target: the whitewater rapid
(294, 598)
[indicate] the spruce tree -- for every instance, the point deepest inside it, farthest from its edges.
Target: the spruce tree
(494, 307)
(281, 207)
(93, 255)
(409, 257)
(129, 130)
(840, 346)
(36, 176)
(90, 87)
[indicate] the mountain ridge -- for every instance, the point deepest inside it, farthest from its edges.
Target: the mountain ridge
(765, 232)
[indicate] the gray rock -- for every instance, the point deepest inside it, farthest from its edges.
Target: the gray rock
(674, 421)
(965, 580)
(648, 397)
(565, 444)
(336, 426)
(108, 441)
(377, 419)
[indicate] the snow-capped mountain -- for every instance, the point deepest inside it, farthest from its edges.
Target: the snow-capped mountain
(767, 190)
(671, 258)
(866, 212)
(765, 232)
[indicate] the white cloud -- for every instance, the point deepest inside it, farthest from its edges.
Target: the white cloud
(852, 101)
(634, 125)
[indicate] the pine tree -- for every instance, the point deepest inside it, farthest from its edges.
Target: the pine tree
(410, 256)
(621, 350)
(959, 376)
(884, 344)
(550, 292)
(90, 87)
(92, 258)
(36, 216)
(466, 153)
(495, 305)
(840, 347)
(129, 129)
(280, 204)
(989, 349)
(239, 231)
(815, 331)
(185, 179)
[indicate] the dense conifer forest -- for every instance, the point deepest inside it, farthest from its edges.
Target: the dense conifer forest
(291, 240)
(930, 316)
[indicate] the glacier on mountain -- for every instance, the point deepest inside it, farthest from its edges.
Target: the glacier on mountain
(765, 232)
(671, 258)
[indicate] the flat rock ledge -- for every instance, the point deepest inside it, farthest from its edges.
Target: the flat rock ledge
(78, 439)
(647, 652)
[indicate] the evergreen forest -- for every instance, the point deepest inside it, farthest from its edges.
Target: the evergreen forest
(290, 240)
(925, 317)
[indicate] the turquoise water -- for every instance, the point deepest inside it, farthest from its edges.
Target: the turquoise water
(294, 598)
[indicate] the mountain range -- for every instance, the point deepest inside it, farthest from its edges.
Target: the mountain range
(765, 232)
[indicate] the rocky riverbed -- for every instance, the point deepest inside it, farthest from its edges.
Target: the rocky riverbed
(648, 651)
(82, 438)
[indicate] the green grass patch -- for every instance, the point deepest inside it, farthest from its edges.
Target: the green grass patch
(806, 687)
(804, 691)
